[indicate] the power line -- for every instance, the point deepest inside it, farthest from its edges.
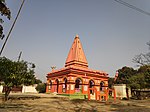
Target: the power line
(132, 7)
(12, 27)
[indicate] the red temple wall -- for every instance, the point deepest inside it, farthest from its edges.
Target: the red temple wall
(71, 83)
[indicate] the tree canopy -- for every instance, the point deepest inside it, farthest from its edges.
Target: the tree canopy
(124, 74)
(136, 79)
(16, 73)
(4, 11)
(110, 82)
(41, 87)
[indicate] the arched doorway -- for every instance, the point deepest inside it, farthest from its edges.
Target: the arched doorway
(57, 85)
(64, 88)
(78, 85)
(91, 85)
(102, 86)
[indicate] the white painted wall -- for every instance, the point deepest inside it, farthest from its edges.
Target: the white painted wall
(29, 89)
(121, 90)
(1, 88)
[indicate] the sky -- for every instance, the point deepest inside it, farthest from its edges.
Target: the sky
(111, 33)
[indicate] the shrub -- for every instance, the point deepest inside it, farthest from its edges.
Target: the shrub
(41, 88)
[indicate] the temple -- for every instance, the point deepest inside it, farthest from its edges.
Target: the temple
(76, 77)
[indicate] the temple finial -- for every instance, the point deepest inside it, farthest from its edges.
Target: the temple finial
(77, 35)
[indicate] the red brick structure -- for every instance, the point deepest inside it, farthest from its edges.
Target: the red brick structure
(76, 77)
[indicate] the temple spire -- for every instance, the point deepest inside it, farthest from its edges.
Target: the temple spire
(76, 56)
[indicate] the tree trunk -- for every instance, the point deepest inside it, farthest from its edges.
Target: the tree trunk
(127, 93)
(7, 92)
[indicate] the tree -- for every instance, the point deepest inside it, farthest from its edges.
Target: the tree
(145, 70)
(110, 82)
(137, 81)
(142, 79)
(143, 59)
(15, 74)
(6, 12)
(38, 81)
(41, 87)
(124, 74)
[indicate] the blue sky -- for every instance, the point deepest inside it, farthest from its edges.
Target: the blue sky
(111, 34)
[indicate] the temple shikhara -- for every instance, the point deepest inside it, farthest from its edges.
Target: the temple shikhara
(75, 76)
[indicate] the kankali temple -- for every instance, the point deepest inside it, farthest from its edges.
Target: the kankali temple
(76, 77)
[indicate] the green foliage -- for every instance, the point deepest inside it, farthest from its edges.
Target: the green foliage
(3, 1)
(41, 88)
(37, 81)
(110, 82)
(142, 78)
(145, 70)
(136, 79)
(14, 74)
(6, 12)
(124, 74)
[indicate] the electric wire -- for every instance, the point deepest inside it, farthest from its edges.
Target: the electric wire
(132, 7)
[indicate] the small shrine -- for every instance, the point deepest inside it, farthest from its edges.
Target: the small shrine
(76, 77)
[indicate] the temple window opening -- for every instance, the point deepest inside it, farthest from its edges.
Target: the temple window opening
(78, 85)
(102, 86)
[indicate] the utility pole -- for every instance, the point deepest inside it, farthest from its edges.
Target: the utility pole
(11, 27)
(19, 56)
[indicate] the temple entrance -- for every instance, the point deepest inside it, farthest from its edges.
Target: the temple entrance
(57, 85)
(91, 85)
(78, 85)
(64, 88)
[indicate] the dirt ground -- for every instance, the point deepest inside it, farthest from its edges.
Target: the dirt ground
(54, 103)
